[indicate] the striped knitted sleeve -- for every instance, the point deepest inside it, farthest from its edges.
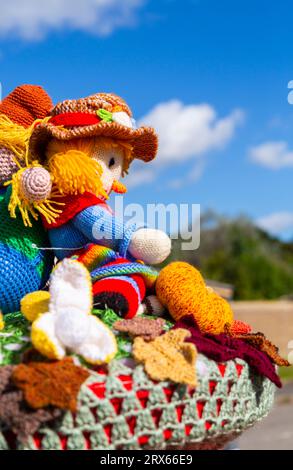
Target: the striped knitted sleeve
(102, 227)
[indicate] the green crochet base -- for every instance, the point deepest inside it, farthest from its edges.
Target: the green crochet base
(125, 409)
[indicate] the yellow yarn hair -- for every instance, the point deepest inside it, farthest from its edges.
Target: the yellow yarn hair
(27, 208)
(73, 172)
(181, 289)
(70, 163)
(89, 145)
(14, 137)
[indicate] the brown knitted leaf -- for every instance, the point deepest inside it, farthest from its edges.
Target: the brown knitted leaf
(168, 357)
(21, 419)
(260, 342)
(55, 383)
(14, 412)
(147, 328)
(5, 376)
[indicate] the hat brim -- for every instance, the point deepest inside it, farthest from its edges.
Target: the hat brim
(144, 139)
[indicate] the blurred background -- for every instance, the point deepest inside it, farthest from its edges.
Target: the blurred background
(214, 79)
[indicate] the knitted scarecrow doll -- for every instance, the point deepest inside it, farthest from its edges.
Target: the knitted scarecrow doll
(85, 378)
(86, 146)
(23, 268)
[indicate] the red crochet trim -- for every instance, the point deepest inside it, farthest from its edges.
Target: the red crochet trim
(75, 119)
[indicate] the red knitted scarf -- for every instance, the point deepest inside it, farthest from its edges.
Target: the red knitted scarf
(73, 204)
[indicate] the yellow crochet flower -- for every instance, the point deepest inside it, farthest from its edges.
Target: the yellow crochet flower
(62, 319)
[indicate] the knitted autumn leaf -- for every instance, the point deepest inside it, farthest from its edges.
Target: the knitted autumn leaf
(168, 357)
(5, 375)
(14, 413)
(22, 420)
(54, 383)
(260, 342)
(147, 328)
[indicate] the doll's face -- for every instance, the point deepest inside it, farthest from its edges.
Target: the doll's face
(111, 162)
(102, 158)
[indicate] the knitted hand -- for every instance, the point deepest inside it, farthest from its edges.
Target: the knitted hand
(150, 245)
(67, 324)
(36, 184)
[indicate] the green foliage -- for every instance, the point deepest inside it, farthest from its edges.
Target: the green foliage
(238, 253)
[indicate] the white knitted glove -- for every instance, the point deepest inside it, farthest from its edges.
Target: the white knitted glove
(150, 245)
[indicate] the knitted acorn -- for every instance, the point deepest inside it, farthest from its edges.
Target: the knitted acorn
(181, 289)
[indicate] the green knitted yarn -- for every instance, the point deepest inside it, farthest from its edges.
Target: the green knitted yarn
(14, 234)
(14, 338)
(23, 267)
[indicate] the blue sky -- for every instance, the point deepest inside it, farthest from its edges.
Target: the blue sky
(212, 76)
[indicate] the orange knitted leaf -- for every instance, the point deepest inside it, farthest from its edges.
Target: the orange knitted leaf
(260, 342)
(54, 383)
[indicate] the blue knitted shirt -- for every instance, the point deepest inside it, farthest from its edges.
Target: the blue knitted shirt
(95, 224)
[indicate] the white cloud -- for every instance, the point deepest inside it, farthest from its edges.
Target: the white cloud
(139, 176)
(192, 177)
(188, 131)
(33, 19)
(273, 155)
(277, 222)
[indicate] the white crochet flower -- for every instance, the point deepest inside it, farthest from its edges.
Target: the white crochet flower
(122, 118)
(68, 325)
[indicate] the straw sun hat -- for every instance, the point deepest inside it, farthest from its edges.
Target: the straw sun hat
(102, 114)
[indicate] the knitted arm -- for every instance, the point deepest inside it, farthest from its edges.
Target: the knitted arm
(102, 227)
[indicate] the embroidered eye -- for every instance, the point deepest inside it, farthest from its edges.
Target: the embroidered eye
(111, 162)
